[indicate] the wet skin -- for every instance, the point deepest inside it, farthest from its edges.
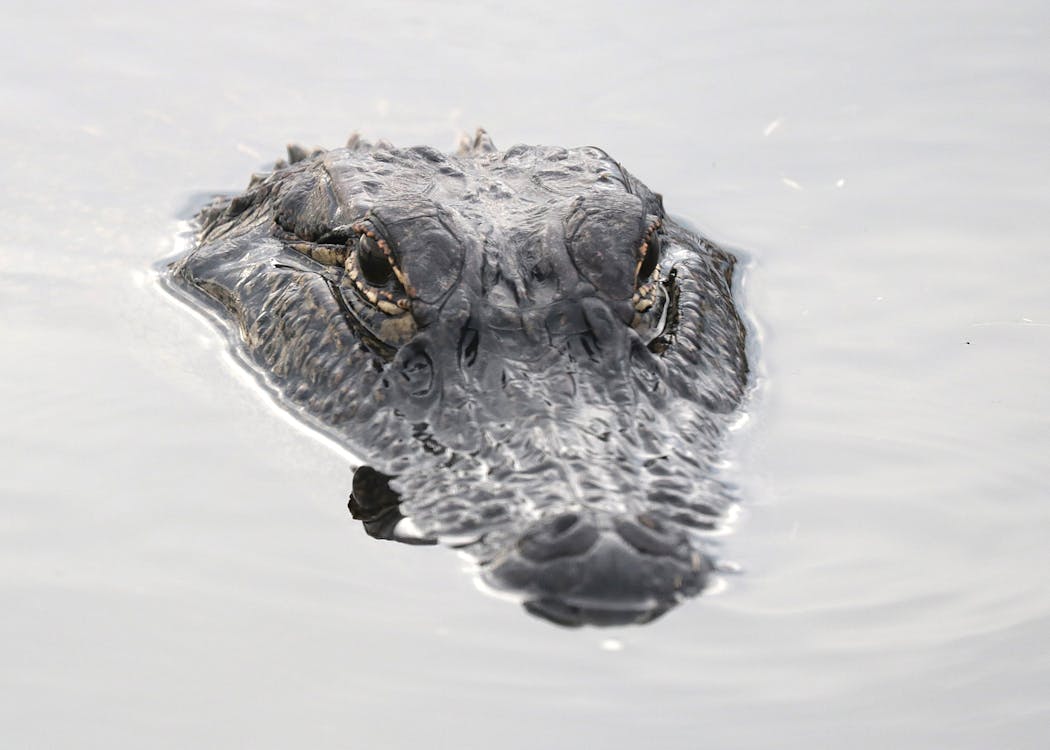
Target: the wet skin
(537, 365)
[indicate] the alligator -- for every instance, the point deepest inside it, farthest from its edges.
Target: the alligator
(536, 364)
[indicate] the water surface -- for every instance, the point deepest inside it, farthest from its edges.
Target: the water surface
(177, 567)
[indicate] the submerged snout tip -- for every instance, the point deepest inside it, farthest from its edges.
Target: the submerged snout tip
(586, 567)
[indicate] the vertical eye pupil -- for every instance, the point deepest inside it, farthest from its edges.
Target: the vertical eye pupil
(373, 263)
(652, 257)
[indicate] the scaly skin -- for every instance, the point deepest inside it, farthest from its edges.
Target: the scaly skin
(535, 362)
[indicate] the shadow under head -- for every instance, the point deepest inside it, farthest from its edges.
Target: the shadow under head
(537, 364)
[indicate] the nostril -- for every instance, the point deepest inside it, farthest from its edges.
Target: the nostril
(566, 535)
(649, 535)
(650, 522)
(563, 523)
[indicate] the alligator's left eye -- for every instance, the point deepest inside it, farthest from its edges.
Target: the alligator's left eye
(371, 266)
(375, 268)
(373, 292)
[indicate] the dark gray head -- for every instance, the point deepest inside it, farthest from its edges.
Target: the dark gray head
(536, 356)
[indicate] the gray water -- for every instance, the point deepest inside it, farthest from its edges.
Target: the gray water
(177, 566)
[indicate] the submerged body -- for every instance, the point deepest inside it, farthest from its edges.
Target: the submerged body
(537, 365)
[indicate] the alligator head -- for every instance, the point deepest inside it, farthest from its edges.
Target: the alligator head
(536, 363)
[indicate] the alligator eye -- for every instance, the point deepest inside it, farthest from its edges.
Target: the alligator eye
(375, 268)
(370, 266)
(650, 258)
(653, 300)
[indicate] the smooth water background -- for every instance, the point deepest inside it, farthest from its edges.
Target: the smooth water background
(177, 566)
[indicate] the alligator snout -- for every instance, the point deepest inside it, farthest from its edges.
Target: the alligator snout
(598, 567)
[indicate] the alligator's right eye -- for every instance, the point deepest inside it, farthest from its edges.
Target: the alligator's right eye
(375, 268)
(651, 257)
(651, 298)
(649, 253)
